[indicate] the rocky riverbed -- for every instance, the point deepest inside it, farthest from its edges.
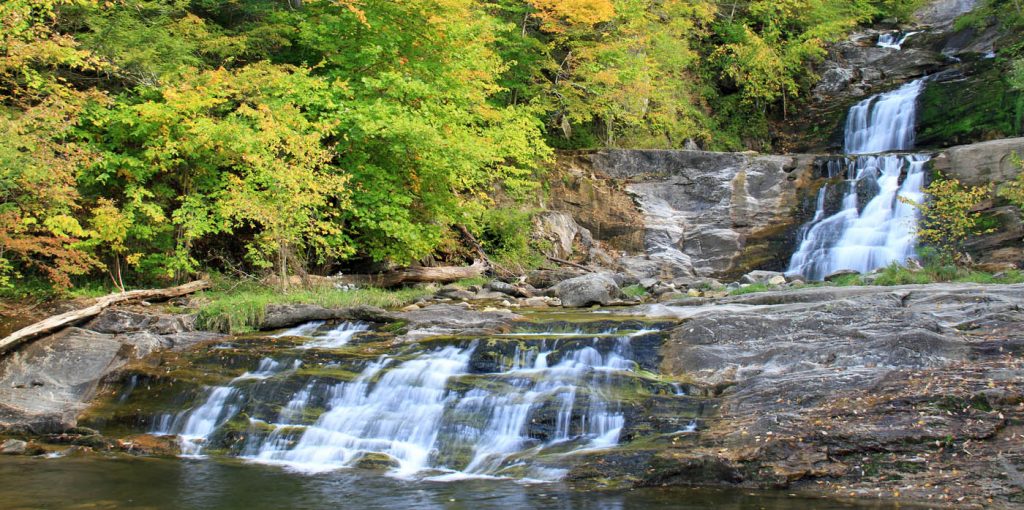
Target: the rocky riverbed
(910, 393)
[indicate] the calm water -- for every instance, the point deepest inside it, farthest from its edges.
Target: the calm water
(141, 483)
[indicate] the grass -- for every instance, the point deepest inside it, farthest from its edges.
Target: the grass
(634, 291)
(752, 288)
(240, 309)
(899, 275)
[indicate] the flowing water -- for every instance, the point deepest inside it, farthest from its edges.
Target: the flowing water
(318, 398)
(862, 221)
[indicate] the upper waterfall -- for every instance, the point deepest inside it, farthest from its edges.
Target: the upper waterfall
(884, 122)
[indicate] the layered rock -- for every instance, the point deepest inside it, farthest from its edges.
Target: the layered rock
(46, 384)
(910, 392)
(704, 213)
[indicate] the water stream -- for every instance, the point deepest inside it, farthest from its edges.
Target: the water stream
(860, 222)
(425, 411)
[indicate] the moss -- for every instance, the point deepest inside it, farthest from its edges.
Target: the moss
(982, 107)
(634, 291)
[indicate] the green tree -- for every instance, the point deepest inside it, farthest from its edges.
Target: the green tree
(949, 216)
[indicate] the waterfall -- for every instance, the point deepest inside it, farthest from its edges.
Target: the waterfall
(894, 40)
(427, 412)
(884, 122)
(872, 227)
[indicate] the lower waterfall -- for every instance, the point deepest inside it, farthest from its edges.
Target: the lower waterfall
(432, 412)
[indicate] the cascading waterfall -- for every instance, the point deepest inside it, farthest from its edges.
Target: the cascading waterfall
(410, 410)
(872, 227)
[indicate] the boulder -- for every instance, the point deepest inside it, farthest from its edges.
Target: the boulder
(509, 289)
(596, 288)
(982, 163)
(763, 277)
(836, 275)
(545, 278)
(118, 321)
(13, 447)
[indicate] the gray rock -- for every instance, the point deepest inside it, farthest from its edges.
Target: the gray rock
(702, 209)
(45, 384)
(761, 277)
(117, 321)
(509, 289)
(596, 288)
(453, 319)
(13, 447)
(456, 294)
(562, 231)
(546, 278)
(836, 275)
(982, 163)
(287, 315)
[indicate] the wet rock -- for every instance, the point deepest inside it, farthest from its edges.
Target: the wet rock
(287, 315)
(377, 461)
(595, 288)
(705, 213)
(453, 319)
(13, 447)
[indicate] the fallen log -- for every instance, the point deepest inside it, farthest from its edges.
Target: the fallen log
(68, 318)
(442, 274)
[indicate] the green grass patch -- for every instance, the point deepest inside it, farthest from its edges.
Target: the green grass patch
(752, 288)
(242, 308)
(634, 291)
(466, 283)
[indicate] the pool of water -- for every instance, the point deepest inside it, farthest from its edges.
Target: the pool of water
(151, 483)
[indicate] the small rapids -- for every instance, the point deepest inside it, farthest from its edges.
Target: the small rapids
(445, 412)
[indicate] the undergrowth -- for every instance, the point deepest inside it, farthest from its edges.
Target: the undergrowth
(241, 308)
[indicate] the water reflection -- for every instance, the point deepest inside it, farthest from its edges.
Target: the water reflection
(91, 482)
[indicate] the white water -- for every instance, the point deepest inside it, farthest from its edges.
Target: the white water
(872, 227)
(195, 427)
(884, 122)
(894, 40)
(409, 412)
(338, 336)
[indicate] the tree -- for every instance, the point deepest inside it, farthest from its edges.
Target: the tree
(38, 157)
(948, 217)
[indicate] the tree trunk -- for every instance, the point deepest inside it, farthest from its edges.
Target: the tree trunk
(66, 319)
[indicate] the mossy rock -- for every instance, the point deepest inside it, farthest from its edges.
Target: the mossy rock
(979, 108)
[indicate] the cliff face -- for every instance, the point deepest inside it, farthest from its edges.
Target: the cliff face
(967, 97)
(705, 214)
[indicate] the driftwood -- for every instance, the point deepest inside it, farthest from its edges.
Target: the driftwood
(571, 264)
(66, 319)
(443, 274)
